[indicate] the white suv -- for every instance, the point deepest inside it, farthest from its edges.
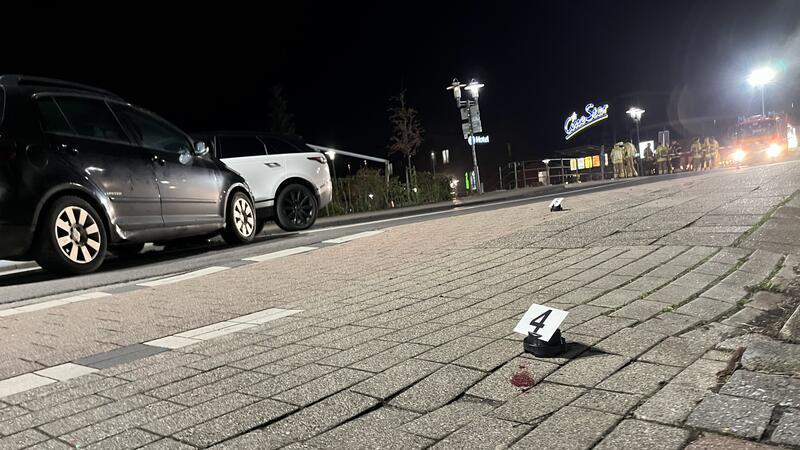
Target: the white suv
(289, 181)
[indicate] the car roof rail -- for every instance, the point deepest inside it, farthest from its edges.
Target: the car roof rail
(27, 80)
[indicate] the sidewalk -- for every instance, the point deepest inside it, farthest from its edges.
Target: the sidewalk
(404, 339)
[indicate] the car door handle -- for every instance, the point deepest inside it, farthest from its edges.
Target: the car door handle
(272, 164)
(69, 148)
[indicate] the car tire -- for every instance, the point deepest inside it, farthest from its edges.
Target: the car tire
(260, 226)
(126, 250)
(296, 208)
(71, 238)
(240, 222)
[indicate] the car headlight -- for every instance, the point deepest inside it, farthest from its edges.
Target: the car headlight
(773, 150)
(738, 155)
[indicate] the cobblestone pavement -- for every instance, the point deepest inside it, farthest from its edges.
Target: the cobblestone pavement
(404, 339)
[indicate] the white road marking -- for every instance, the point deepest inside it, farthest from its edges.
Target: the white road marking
(65, 371)
(22, 383)
(352, 237)
(52, 303)
(184, 277)
(218, 329)
(280, 254)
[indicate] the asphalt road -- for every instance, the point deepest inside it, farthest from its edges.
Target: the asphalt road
(39, 285)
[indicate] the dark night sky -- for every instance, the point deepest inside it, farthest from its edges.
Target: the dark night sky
(683, 61)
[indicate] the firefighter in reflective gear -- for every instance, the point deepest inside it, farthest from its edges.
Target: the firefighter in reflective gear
(697, 154)
(630, 153)
(617, 158)
(714, 154)
(676, 156)
(650, 167)
(662, 152)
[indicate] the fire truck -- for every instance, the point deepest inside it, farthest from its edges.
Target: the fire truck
(763, 138)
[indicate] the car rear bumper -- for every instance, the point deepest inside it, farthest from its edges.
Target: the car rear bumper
(325, 194)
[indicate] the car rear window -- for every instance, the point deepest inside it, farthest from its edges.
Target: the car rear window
(52, 119)
(277, 146)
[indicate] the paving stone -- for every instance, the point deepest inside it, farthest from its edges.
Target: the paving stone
(437, 389)
(602, 326)
(443, 421)
(717, 442)
(484, 432)
(773, 357)
(190, 417)
(640, 310)
(671, 405)
(674, 351)
(395, 379)
(788, 429)
(213, 390)
(287, 380)
(744, 318)
(391, 357)
(637, 435)
(157, 380)
(616, 298)
(187, 384)
(74, 422)
(731, 344)
(765, 300)
(21, 419)
(250, 361)
(127, 439)
(355, 354)
(491, 356)
(639, 378)
(711, 334)
(234, 423)
(731, 415)
(695, 281)
(647, 283)
(444, 335)
(322, 387)
(768, 388)
(612, 402)
(669, 324)
(706, 308)
(454, 349)
(121, 423)
(570, 428)
(412, 332)
(22, 439)
(582, 313)
(229, 358)
(588, 370)
(376, 429)
(499, 385)
(630, 342)
(52, 444)
(537, 402)
(312, 420)
(714, 268)
(701, 374)
(726, 292)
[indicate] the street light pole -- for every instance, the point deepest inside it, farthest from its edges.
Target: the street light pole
(474, 89)
(433, 162)
(636, 114)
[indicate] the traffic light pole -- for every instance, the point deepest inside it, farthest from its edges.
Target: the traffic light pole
(474, 155)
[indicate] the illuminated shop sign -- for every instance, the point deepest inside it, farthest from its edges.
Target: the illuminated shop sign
(574, 124)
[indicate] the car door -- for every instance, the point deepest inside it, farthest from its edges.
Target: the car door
(248, 156)
(190, 185)
(86, 134)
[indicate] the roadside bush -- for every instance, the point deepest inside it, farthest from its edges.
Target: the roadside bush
(367, 191)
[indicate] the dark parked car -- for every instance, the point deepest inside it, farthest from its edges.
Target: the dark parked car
(83, 172)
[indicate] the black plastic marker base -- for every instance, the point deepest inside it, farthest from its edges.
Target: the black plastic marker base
(556, 346)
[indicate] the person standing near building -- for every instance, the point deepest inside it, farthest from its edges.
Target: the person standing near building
(630, 153)
(617, 158)
(697, 154)
(649, 161)
(677, 156)
(662, 152)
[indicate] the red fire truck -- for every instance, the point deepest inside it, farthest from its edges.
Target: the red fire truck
(763, 138)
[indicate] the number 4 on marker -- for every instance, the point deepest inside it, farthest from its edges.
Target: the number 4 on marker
(538, 322)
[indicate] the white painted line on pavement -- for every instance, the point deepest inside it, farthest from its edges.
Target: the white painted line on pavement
(279, 254)
(22, 383)
(65, 371)
(172, 342)
(352, 237)
(461, 208)
(184, 277)
(52, 303)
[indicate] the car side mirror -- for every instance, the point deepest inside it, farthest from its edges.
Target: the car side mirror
(201, 148)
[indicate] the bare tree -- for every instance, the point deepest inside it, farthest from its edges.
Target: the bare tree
(280, 119)
(407, 132)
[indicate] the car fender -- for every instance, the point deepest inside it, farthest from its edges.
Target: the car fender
(228, 193)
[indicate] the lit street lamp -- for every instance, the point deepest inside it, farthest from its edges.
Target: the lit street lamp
(760, 78)
(331, 157)
(636, 115)
(470, 117)
(433, 162)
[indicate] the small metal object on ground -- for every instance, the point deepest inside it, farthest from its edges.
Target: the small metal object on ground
(545, 349)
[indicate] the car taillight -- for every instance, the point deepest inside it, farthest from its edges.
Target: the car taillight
(319, 159)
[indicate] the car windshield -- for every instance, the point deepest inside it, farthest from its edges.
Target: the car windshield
(756, 129)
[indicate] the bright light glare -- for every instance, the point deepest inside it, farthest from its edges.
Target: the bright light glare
(738, 155)
(331, 154)
(773, 150)
(474, 87)
(761, 76)
(635, 113)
